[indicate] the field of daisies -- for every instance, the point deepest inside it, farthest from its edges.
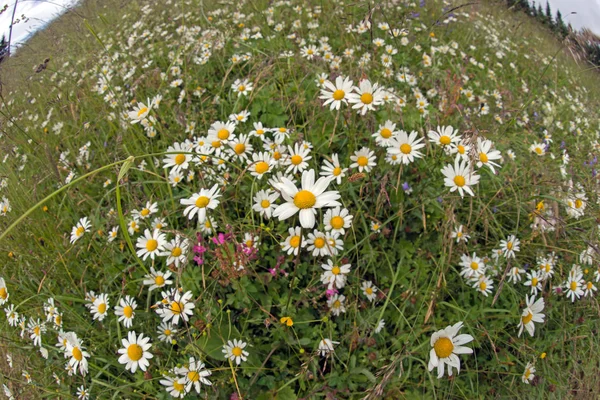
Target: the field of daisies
(298, 200)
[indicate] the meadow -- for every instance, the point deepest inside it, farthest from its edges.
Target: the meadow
(298, 200)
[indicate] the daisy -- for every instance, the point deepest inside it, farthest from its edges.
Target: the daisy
(509, 246)
(242, 87)
(222, 131)
(460, 177)
(364, 159)
(145, 212)
(333, 170)
(334, 275)
(307, 200)
(473, 266)
(11, 315)
(200, 202)
(459, 235)
(259, 130)
(589, 290)
(446, 346)
(486, 155)
(538, 148)
(405, 147)
(78, 230)
(326, 346)
(528, 375)
(79, 356)
(151, 244)
(112, 234)
(133, 226)
(240, 117)
(240, 147)
(134, 352)
(296, 160)
(369, 290)
(575, 285)
(336, 94)
(195, 374)
(385, 134)
(157, 279)
(140, 112)
(337, 220)
(336, 304)
(366, 97)
(178, 158)
(176, 306)
(261, 164)
(176, 251)
(531, 313)
(379, 326)
(234, 351)
(323, 244)
(126, 310)
(166, 332)
(483, 284)
(175, 386)
(375, 227)
(100, 307)
(36, 328)
(264, 202)
(82, 393)
(294, 242)
(444, 136)
(534, 280)
(4, 295)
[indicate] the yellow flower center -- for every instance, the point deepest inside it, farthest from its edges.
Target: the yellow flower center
(578, 203)
(128, 311)
(443, 347)
(366, 98)
(335, 270)
(534, 281)
(362, 161)
(538, 150)
(385, 133)
(3, 293)
(241, 88)
(589, 285)
(159, 280)
(459, 180)
(276, 155)
(461, 149)
(216, 144)
(236, 351)
(337, 171)
(283, 130)
(176, 252)
(474, 266)
(202, 201)
(483, 286)
(134, 352)
(145, 212)
(260, 131)
(483, 157)
(179, 159)
(178, 386)
(142, 111)
(239, 148)
(151, 244)
(261, 167)
(527, 373)
(77, 354)
(445, 140)
(102, 308)
(249, 243)
(36, 330)
(319, 243)
(573, 285)
(339, 94)
(369, 290)
(223, 134)
(193, 376)
(79, 231)
(304, 199)
(295, 241)
(176, 307)
(167, 332)
(526, 319)
(337, 304)
(296, 159)
(405, 148)
(509, 245)
(58, 320)
(265, 203)
(337, 222)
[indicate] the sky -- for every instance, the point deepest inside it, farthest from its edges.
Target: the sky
(39, 12)
(588, 12)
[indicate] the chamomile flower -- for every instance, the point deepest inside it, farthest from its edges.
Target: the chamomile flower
(221, 131)
(157, 279)
(242, 87)
(336, 304)
(35, 329)
(364, 159)
(264, 202)
(306, 201)
(369, 290)
(126, 310)
(175, 386)
(261, 164)
(528, 374)
(259, 130)
(151, 244)
(176, 251)
(178, 157)
(166, 332)
(472, 266)
(535, 281)
(365, 97)
(4, 295)
(326, 346)
(82, 393)
(297, 159)
(294, 241)
(323, 244)
(460, 177)
(334, 276)
(510, 246)
(200, 202)
(140, 112)
(575, 285)
(195, 374)
(385, 133)
(444, 136)
(446, 346)
(483, 284)
(460, 235)
(337, 220)
(337, 94)
(405, 147)
(112, 234)
(76, 351)
(146, 212)
(11, 315)
(538, 148)
(78, 230)
(176, 306)
(333, 170)
(234, 351)
(135, 352)
(486, 155)
(531, 313)
(100, 307)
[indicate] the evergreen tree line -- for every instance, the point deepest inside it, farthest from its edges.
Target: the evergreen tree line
(584, 44)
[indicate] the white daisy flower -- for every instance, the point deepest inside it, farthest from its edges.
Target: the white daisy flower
(234, 351)
(151, 244)
(200, 202)
(134, 352)
(531, 313)
(446, 345)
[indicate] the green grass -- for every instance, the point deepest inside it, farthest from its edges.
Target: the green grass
(413, 260)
